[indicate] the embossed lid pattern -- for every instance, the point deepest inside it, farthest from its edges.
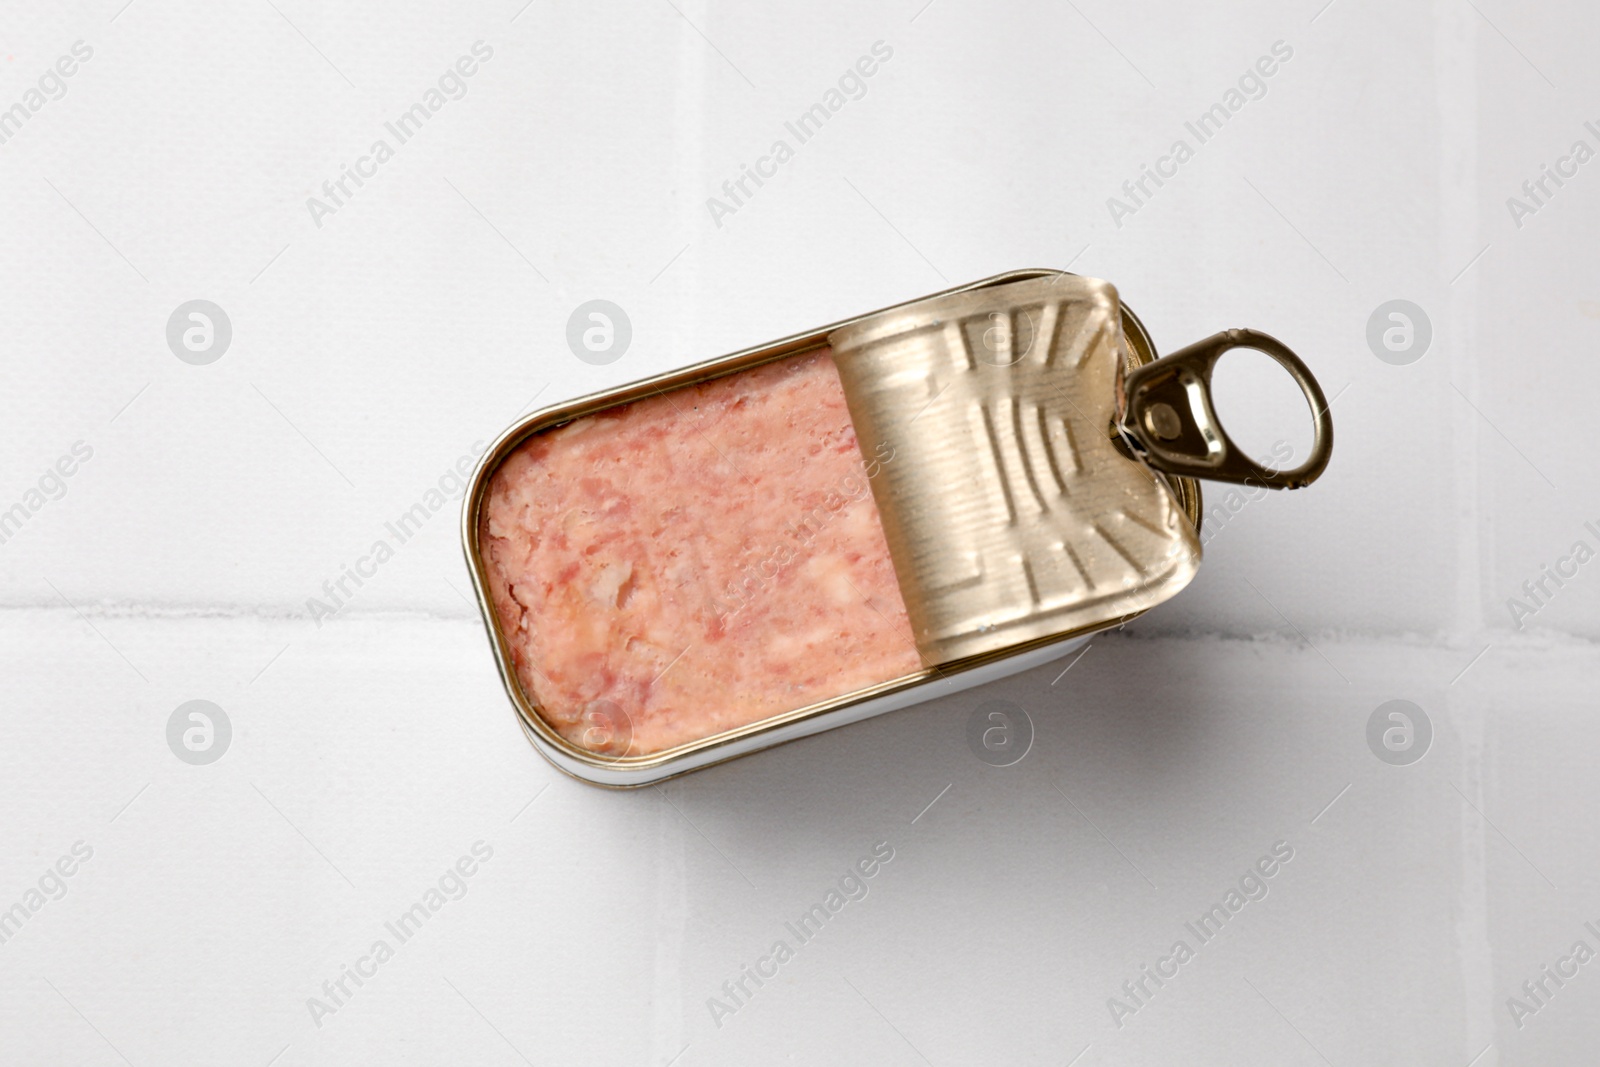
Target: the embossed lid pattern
(1010, 511)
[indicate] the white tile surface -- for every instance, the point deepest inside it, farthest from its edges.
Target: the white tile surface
(371, 755)
(373, 352)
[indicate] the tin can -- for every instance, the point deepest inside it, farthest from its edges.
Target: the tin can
(1044, 489)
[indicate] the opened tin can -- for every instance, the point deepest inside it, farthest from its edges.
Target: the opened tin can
(847, 521)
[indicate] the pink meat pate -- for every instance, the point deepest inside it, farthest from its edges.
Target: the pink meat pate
(690, 563)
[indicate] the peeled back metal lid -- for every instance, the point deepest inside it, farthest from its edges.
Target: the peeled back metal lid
(1024, 500)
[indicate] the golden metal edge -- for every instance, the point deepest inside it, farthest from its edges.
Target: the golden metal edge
(1141, 351)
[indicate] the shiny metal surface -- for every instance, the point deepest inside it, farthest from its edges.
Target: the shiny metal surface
(1169, 416)
(1011, 512)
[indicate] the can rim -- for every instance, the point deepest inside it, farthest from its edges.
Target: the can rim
(560, 752)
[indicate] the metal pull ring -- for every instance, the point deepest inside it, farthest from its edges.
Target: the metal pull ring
(1168, 417)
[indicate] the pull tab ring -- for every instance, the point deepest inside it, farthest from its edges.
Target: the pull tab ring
(1168, 417)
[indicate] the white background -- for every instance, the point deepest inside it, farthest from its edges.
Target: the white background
(371, 352)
